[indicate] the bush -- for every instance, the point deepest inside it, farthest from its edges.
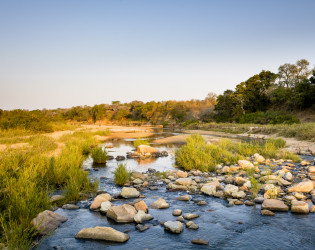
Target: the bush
(99, 155)
(121, 175)
(140, 141)
(269, 117)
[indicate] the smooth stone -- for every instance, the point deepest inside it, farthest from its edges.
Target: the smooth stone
(141, 206)
(200, 242)
(184, 181)
(238, 202)
(180, 218)
(127, 193)
(174, 226)
(208, 189)
(249, 203)
(70, 206)
(240, 181)
(47, 221)
(288, 176)
(102, 233)
(183, 198)
(192, 225)
(267, 212)
(259, 200)
(303, 187)
(239, 195)
(274, 205)
(141, 216)
(96, 204)
(159, 204)
(300, 207)
(181, 174)
(200, 203)
(56, 198)
(245, 164)
(124, 213)
(177, 212)
(229, 189)
(105, 206)
(189, 216)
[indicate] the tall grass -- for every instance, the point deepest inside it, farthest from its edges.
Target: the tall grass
(197, 154)
(121, 174)
(99, 155)
(140, 141)
(28, 178)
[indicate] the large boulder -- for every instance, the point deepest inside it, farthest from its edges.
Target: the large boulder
(124, 213)
(208, 189)
(304, 187)
(274, 205)
(47, 221)
(184, 181)
(127, 192)
(159, 204)
(102, 233)
(300, 207)
(144, 149)
(96, 204)
(174, 226)
(141, 216)
(245, 164)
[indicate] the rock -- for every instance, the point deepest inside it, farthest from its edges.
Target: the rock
(142, 228)
(300, 207)
(47, 221)
(174, 226)
(229, 189)
(105, 206)
(180, 218)
(238, 202)
(240, 181)
(299, 196)
(245, 164)
(225, 169)
(267, 212)
(102, 233)
(124, 213)
(56, 198)
(192, 225)
(138, 175)
(96, 204)
(312, 209)
(259, 200)
(304, 187)
(141, 206)
(311, 169)
(200, 203)
(305, 163)
(284, 182)
(141, 216)
(313, 199)
(127, 192)
(120, 158)
(181, 174)
(258, 158)
(200, 242)
(249, 203)
(177, 212)
(183, 198)
(144, 149)
(208, 189)
(189, 216)
(70, 207)
(239, 195)
(137, 181)
(288, 176)
(274, 205)
(159, 204)
(184, 181)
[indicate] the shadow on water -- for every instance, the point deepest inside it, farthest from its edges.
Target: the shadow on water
(237, 227)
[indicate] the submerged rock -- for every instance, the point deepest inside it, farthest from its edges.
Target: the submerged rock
(174, 226)
(267, 212)
(47, 221)
(102, 233)
(142, 228)
(200, 242)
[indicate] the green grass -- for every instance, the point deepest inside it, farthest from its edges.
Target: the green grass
(197, 154)
(140, 141)
(99, 155)
(302, 131)
(121, 174)
(28, 177)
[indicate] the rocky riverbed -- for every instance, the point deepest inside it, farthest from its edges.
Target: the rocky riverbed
(166, 208)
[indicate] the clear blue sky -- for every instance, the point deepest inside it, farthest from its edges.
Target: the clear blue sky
(66, 53)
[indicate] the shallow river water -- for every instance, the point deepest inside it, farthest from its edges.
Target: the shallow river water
(237, 227)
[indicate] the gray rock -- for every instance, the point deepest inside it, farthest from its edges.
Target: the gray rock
(259, 200)
(70, 206)
(105, 206)
(174, 226)
(102, 233)
(180, 218)
(47, 221)
(142, 228)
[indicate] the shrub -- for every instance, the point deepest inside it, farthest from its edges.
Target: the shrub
(121, 174)
(140, 141)
(278, 142)
(99, 155)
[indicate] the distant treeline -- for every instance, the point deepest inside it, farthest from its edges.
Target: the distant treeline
(265, 98)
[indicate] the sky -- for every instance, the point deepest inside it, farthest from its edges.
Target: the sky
(64, 53)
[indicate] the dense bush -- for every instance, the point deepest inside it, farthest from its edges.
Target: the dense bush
(269, 117)
(99, 155)
(121, 175)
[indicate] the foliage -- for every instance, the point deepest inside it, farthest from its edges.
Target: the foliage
(99, 155)
(269, 117)
(140, 141)
(121, 174)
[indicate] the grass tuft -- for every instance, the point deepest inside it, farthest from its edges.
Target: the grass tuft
(99, 155)
(121, 174)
